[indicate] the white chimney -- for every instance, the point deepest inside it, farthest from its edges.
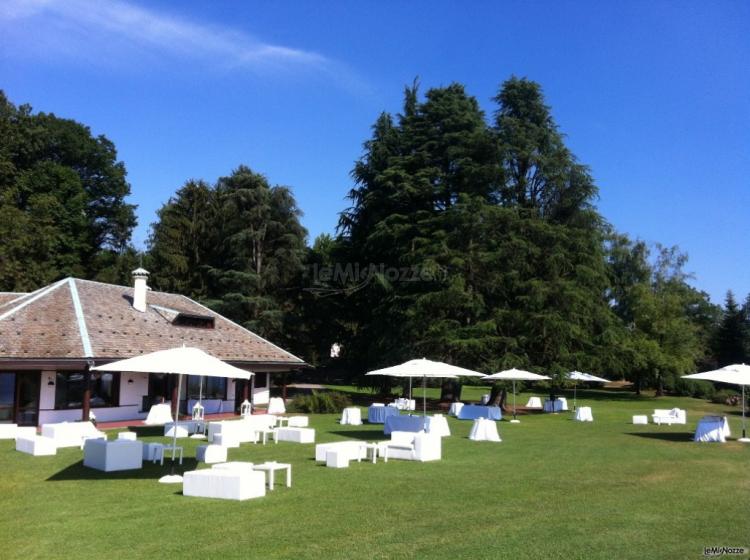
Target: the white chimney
(139, 289)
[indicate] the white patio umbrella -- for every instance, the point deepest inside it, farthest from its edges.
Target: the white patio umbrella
(736, 374)
(425, 368)
(580, 376)
(177, 361)
(515, 375)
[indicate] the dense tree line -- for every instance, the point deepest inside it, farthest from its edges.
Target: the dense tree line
(469, 239)
(62, 201)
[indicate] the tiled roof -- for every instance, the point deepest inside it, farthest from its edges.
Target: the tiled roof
(5, 297)
(76, 318)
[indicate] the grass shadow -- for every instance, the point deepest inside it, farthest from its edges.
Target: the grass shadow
(664, 436)
(361, 434)
(77, 471)
(147, 431)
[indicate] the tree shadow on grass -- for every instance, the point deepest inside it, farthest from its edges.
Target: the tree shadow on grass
(363, 435)
(665, 436)
(77, 471)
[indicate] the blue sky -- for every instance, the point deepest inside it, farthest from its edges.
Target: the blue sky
(653, 96)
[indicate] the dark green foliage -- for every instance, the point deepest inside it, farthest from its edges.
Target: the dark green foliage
(238, 247)
(62, 200)
(320, 403)
(732, 339)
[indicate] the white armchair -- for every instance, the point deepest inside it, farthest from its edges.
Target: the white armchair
(412, 446)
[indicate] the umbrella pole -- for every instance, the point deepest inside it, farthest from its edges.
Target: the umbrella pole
(172, 477)
(514, 399)
(744, 436)
(575, 385)
(424, 398)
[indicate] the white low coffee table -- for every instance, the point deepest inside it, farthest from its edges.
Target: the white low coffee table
(371, 449)
(270, 469)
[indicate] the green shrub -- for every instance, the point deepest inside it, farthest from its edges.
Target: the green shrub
(726, 396)
(320, 403)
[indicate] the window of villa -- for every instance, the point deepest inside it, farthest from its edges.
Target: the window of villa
(213, 387)
(261, 380)
(69, 389)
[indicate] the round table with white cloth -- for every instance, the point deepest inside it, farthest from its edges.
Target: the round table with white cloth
(351, 416)
(534, 402)
(438, 425)
(583, 414)
(455, 408)
(276, 406)
(484, 430)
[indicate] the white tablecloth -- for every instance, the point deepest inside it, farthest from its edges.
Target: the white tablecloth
(583, 414)
(534, 402)
(455, 408)
(712, 428)
(559, 404)
(352, 416)
(159, 414)
(437, 424)
(276, 406)
(484, 430)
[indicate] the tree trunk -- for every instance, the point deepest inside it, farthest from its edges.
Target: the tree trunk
(498, 396)
(450, 390)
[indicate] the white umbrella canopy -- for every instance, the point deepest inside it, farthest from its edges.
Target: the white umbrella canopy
(514, 375)
(735, 374)
(425, 368)
(177, 361)
(580, 376)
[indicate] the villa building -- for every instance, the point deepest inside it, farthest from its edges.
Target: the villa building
(51, 337)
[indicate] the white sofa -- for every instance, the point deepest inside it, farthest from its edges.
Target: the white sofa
(71, 434)
(352, 449)
(412, 447)
(8, 431)
(115, 455)
(671, 416)
(296, 435)
(36, 445)
(226, 484)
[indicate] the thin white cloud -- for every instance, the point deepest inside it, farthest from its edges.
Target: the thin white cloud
(111, 31)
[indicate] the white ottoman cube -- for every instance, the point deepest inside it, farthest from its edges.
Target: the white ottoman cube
(337, 459)
(117, 455)
(211, 453)
(640, 419)
(129, 436)
(297, 435)
(36, 445)
(226, 484)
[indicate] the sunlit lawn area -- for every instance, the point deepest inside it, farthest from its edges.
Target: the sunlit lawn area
(553, 488)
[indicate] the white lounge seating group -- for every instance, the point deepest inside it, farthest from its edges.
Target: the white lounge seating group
(71, 434)
(411, 446)
(671, 416)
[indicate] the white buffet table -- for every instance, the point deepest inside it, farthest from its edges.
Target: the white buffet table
(712, 428)
(484, 430)
(534, 402)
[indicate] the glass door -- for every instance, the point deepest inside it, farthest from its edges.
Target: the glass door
(7, 396)
(27, 398)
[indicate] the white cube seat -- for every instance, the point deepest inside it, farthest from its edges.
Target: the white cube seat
(225, 484)
(130, 436)
(227, 439)
(337, 459)
(353, 449)
(297, 435)
(640, 419)
(211, 453)
(36, 445)
(116, 455)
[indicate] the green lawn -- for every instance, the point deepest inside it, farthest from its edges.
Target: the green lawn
(553, 488)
